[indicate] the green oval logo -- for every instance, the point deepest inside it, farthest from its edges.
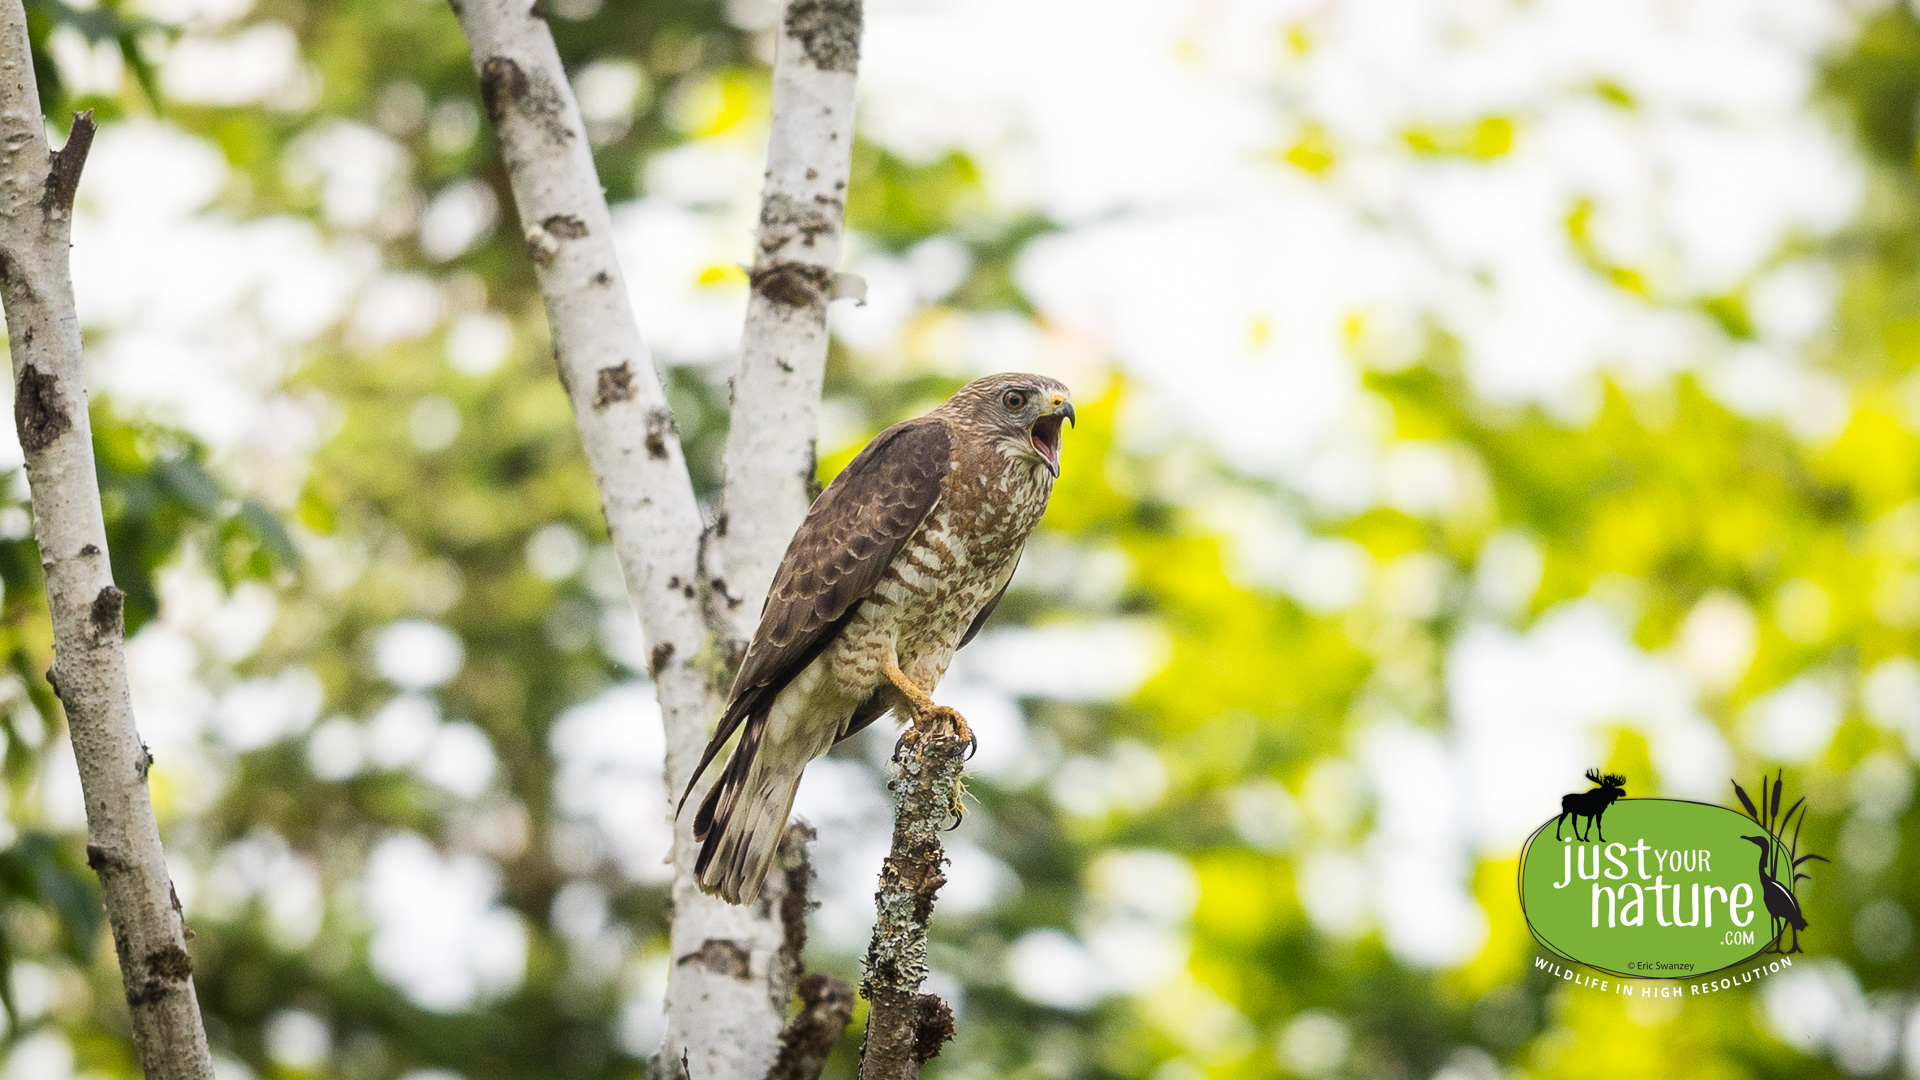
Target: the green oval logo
(1659, 888)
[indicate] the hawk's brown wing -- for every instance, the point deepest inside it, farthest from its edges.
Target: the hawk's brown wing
(835, 560)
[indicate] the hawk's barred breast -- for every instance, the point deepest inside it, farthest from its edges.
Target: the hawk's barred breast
(949, 570)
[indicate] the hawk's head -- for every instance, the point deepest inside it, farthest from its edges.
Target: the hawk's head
(1021, 414)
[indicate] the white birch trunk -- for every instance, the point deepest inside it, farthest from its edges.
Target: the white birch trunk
(733, 967)
(783, 352)
(89, 671)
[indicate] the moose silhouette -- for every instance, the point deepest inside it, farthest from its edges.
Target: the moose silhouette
(1591, 804)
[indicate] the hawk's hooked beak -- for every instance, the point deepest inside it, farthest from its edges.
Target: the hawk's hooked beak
(1046, 432)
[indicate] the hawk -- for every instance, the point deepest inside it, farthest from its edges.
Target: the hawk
(898, 563)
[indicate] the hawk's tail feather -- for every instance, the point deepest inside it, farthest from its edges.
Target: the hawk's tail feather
(717, 805)
(741, 823)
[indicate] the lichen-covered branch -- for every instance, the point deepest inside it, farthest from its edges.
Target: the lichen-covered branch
(906, 1028)
(783, 351)
(89, 672)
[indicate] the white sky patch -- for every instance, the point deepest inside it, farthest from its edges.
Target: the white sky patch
(297, 1039)
(643, 1013)
(1890, 694)
(206, 345)
(478, 343)
(1128, 779)
(43, 1055)
(255, 712)
(1818, 1007)
(396, 307)
(1138, 907)
(86, 68)
(1099, 661)
(1048, 967)
(458, 217)
(416, 655)
(62, 805)
(358, 170)
(847, 802)
(1200, 260)
(666, 250)
(460, 760)
(439, 935)
(610, 752)
(256, 64)
(1417, 856)
(1794, 723)
(400, 732)
(1530, 712)
(1315, 1042)
(172, 704)
(556, 551)
(194, 12)
(1717, 640)
(261, 867)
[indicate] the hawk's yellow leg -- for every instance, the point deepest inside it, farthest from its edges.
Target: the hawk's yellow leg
(924, 714)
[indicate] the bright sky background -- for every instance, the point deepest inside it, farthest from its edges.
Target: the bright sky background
(1248, 293)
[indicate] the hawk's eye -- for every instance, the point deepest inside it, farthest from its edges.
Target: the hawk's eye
(1015, 400)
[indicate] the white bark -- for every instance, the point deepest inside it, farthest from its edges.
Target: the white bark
(89, 671)
(733, 967)
(783, 352)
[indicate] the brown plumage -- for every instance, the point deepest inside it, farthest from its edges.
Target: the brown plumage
(896, 566)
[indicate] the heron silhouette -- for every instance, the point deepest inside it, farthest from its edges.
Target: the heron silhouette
(1781, 905)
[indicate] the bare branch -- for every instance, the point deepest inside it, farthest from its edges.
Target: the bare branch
(63, 176)
(906, 1028)
(825, 1003)
(783, 351)
(826, 1006)
(90, 671)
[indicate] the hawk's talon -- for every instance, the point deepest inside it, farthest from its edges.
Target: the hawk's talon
(943, 720)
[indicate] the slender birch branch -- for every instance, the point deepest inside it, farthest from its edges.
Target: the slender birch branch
(906, 1028)
(783, 351)
(90, 665)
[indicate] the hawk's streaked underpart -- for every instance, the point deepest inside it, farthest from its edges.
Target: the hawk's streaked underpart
(896, 566)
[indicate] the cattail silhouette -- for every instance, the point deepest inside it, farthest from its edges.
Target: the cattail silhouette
(1591, 804)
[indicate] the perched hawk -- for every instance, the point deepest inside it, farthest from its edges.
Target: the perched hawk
(897, 565)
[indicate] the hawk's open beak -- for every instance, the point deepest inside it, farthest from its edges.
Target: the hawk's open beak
(1046, 433)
